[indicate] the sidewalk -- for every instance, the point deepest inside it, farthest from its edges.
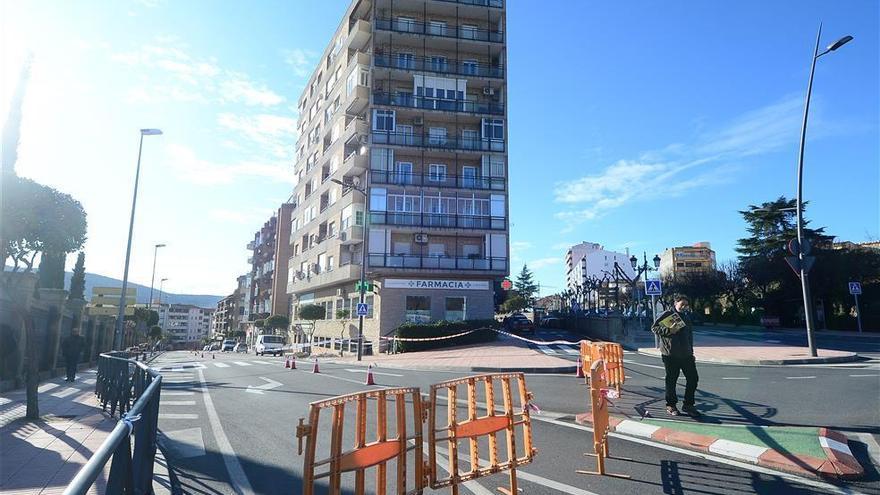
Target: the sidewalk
(503, 355)
(713, 348)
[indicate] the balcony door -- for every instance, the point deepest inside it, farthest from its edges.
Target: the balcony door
(437, 136)
(403, 173)
(406, 60)
(469, 177)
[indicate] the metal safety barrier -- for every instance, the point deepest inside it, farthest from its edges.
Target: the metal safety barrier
(120, 382)
(363, 454)
(599, 411)
(475, 427)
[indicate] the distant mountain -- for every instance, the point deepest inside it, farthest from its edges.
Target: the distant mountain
(143, 292)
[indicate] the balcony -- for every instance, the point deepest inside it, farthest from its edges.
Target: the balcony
(357, 99)
(438, 220)
(354, 164)
(438, 180)
(437, 141)
(385, 260)
(359, 34)
(409, 62)
(408, 100)
(313, 281)
(354, 234)
(461, 32)
(499, 4)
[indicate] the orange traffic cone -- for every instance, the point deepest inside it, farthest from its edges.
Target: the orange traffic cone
(293, 362)
(315, 367)
(203, 354)
(213, 356)
(287, 362)
(580, 370)
(370, 376)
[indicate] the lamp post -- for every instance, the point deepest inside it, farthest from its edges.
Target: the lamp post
(805, 282)
(161, 284)
(362, 286)
(153, 278)
(121, 315)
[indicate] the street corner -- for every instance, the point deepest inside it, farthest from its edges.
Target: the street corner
(818, 453)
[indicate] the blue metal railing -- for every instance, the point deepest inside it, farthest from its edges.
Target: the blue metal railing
(132, 389)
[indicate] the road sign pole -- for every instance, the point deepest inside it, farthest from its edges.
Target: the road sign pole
(858, 313)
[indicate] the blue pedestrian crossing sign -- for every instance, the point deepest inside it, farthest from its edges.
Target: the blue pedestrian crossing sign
(362, 309)
(855, 288)
(653, 287)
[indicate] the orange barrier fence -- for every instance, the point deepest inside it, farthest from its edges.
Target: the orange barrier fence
(513, 419)
(599, 411)
(609, 352)
(406, 406)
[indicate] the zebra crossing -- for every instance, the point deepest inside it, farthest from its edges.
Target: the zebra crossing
(180, 367)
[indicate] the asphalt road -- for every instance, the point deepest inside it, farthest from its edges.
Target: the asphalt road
(229, 426)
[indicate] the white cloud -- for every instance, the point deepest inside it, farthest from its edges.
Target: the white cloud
(238, 88)
(300, 60)
(274, 134)
(544, 262)
(196, 170)
(517, 248)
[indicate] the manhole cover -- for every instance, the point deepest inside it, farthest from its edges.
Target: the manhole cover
(59, 417)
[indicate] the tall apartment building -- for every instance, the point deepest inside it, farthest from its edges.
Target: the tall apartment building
(587, 260)
(685, 260)
(262, 261)
(409, 103)
(221, 320)
(187, 324)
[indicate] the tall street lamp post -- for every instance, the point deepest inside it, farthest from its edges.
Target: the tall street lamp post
(805, 283)
(362, 286)
(153, 278)
(121, 315)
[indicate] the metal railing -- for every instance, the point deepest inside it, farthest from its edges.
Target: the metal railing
(479, 3)
(408, 100)
(437, 262)
(462, 31)
(464, 67)
(132, 389)
(437, 180)
(440, 220)
(428, 140)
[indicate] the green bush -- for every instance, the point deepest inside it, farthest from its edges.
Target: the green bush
(442, 329)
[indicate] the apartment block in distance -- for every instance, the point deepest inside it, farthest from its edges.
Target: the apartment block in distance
(268, 278)
(409, 104)
(187, 324)
(687, 260)
(589, 260)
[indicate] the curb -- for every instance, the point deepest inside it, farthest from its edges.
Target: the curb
(771, 362)
(840, 464)
(475, 369)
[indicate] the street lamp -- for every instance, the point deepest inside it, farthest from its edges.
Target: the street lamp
(121, 315)
(805, 283)
(161, 284)
(362, 286)
(153, 278)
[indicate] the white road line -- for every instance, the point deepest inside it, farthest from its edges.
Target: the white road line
(860, 376)
(177, 402)
(734, 378)
(374, 372)
(799, 377)
(169, 393)
(221, 365)
(546, 350)
(238, 479)
(65, 393)
(90, 381)
(178, 416)
(260, 362)
(572, 351)
(242, 363)
(46, 387)
(178, 368)
(643, 364)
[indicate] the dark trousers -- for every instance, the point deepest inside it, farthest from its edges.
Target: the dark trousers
(686, 365)
(70, 363)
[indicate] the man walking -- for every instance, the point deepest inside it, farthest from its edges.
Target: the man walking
(71, 348)
(677, 349)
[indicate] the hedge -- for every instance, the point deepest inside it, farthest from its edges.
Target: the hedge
(442, 329)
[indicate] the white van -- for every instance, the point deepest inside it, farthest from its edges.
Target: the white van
(269, 344)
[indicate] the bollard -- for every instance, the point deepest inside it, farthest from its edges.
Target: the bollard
(287, 362)
(315, 367)
(580, 371)
(370, 376)
(293, 362)
(213, 356)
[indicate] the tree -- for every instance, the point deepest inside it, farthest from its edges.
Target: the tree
(78, 280)
(260, 324)
(514, 303)
(525, 286)
(312, 313)
(155, 332)
(238, 334)
(275, 322)
(342, 315)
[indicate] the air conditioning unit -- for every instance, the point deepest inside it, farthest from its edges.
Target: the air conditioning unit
(420, 238)
(419, 121)
(488, 91)
(316, 268)
(343, 236)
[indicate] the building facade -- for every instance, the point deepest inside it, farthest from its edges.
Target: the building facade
(222, 319)
(680, 261)
(409, 105)
(262, 261)
(187, 324)
(590, 261)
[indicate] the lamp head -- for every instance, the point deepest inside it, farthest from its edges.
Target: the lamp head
(656, 261)
(160, 245)
(151, 132)
(839, 43)
(633, 261)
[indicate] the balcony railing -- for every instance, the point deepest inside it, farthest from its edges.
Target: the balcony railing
(408, 100)
(377, 260)
(437, 180)
(439, 220)
(461, 32)
(479, 3)
(437, 141)
(407, 61)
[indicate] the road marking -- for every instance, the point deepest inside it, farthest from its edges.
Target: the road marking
(185, 443)
(65, 393)
(260, 362)
(735, 378)
(359, 382)
(178, 416)
(242, 363)
(90, 381)
(547, 350)
(46, 387)
(572, 351)
(374, 372)
(473, 486)
(221, 365)
(178, 402)
(177, 379)
(860, 376)
(167, 393)
(238, 480)
(269, 385)
(643, 364)
(799, 377)
(176, 369)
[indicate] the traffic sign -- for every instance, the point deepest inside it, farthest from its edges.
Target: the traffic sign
(795, 264)
(653, 287)
(368, 286)
(362, 309)
(506, 284)
(855, 288)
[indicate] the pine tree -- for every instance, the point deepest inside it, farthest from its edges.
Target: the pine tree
(526, 286)
(78, 280)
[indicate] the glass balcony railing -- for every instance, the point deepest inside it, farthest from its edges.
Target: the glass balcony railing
(436, 262)
(464, 67)
(439, 220)
(437, 141)
(479, 3)
(462, 31)
(438, 179)
(408, 100)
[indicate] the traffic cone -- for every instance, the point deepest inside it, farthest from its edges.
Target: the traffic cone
(287, 362)
(370, 376)
(580, 370)
(213, 356)
(203, 354)
(315, 367)
(293, 362)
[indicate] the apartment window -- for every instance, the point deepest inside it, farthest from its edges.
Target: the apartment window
(439, 205)
(493, 166)
(329, 263)
(383, 120)
(468, 176)
(493, 129)
(437, 172)
(404, 203)
(455, 309)
(438, 64)
(437, 28)
(406, 60)
(331, 229)
(369, 301)
(381, 159)
(340, 305)
(403, 173)
(418, 309)
(437, 135)
(469, 139)
(406, 24)
(469, 67)
(359, 218)
(363, 76)
(436, 249)
(468, 31)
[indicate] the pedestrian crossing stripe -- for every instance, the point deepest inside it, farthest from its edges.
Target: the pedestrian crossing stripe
(242, 363)
(221, 365)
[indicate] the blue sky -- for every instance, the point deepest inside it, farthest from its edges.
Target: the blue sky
(633, 124)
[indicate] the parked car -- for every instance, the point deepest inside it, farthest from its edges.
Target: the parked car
(241, 347)
(206, 348)
(518, 323)
(214, 347)
(551, 322)
(228, 345)
(269, 344)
